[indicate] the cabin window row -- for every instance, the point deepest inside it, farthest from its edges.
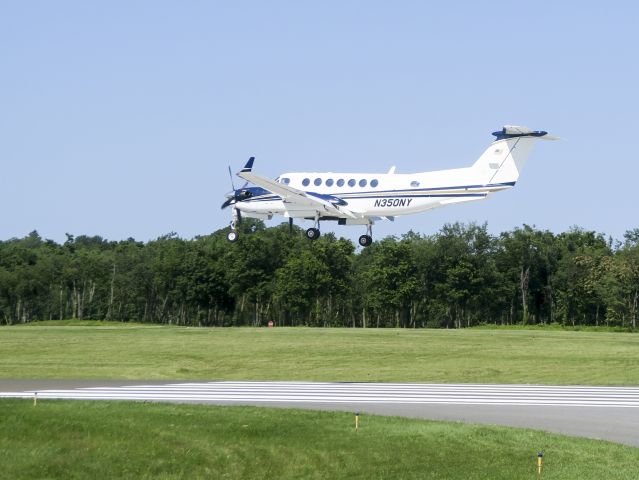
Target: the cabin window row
(340, 182)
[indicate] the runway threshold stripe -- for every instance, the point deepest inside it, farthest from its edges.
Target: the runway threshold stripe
(364, 393)
(380, 395)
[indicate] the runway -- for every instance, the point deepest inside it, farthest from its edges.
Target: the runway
(610, 413)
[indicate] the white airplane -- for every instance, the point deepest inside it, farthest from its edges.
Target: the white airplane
(364, 198)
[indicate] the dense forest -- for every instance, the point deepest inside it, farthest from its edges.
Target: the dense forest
(461, 276)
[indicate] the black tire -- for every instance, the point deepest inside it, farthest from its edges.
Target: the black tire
(312, 233)
(232, 236)
(365, 240)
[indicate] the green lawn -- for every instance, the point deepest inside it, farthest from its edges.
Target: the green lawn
(121, 351)
(73, 439)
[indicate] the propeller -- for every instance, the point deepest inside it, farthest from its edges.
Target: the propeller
(231, 176)
(229, 200)
(232, 196)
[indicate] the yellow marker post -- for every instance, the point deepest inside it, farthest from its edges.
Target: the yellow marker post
(540, 465)
(35, 398)
(356, 421)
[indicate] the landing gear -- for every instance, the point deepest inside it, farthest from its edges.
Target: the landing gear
(312, 233)
(366, 240)
(232, 236)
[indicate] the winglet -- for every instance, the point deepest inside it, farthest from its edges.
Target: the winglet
(249, 165)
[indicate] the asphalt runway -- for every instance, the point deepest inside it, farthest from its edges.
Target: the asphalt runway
(609, 413)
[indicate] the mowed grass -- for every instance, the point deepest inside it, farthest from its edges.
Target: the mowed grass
(121, 351)
(73, 439)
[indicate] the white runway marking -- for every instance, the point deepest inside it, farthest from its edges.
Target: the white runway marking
(364, 393)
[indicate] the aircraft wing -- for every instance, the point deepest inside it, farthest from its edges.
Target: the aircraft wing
(295, 197)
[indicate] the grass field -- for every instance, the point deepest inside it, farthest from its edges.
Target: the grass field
(95, 350)
(72, 439)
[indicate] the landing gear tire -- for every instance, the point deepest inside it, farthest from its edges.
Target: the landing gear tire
(312, 233)
(365, 240)
(232, 236)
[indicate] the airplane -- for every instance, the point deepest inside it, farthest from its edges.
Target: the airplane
(365, 198)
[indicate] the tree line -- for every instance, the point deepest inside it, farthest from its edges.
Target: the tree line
(458, 277)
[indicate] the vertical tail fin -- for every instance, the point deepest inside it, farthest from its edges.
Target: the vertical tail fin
(504, 159)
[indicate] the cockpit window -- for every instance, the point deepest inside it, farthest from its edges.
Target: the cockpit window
(414, 183)
(305, 182)
(285, 181)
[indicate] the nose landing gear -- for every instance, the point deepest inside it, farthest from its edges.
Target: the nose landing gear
(232, 236)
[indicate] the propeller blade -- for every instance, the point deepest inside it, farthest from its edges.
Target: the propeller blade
(231, 176)
(228, 202)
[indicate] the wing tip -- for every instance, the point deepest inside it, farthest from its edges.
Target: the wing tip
(249, 165)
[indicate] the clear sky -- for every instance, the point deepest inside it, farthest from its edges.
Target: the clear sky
(119, 118)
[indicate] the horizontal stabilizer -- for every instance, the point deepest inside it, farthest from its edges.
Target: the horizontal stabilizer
(514, 131)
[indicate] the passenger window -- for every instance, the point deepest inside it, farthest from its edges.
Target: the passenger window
(362, 182)
(318, 182)
(305, 182)
(329, 182)
(414, 183)
(351, 182)
(374, 183)
(340, 182)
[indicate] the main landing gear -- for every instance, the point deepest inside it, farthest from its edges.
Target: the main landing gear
(313, 233)
(366, 240)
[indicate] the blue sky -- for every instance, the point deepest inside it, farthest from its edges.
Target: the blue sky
(119, 118)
